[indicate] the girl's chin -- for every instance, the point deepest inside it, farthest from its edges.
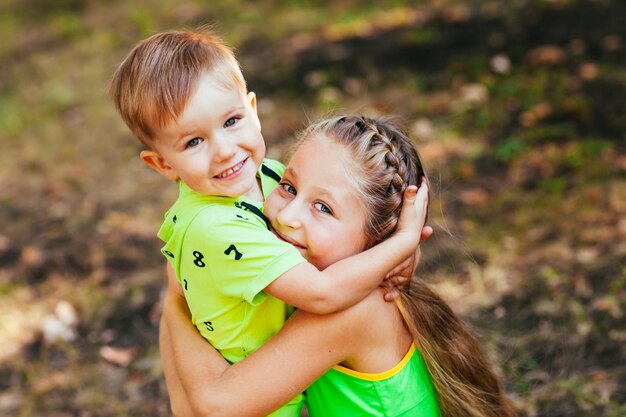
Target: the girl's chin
(319, 264)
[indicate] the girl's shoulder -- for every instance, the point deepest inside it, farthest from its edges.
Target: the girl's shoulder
(372, 318)
(377, 328)
(355, 323)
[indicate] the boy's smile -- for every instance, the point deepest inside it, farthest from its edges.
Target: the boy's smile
(215, 147)
(230, 171)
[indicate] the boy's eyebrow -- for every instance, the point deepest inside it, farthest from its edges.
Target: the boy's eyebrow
(183, 137)
(224, 115)
(185, 134)
(237, 109)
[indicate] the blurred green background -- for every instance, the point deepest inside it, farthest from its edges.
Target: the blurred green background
(518, 108)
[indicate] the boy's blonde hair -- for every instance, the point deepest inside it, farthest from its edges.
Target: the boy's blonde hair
(153, 84)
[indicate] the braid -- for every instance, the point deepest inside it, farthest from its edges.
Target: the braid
(391, 169)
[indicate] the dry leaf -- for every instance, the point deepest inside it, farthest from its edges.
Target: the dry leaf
(121, 356)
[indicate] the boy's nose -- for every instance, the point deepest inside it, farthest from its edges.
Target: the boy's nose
(223, 149)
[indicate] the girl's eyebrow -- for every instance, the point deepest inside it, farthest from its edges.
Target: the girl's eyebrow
(291, 172)
(326, 195)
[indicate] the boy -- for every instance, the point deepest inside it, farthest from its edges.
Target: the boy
(184, 97)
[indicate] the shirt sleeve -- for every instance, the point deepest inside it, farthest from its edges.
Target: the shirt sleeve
(242, 256)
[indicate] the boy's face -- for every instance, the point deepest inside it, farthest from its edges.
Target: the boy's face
(315, 207)
(215, 147)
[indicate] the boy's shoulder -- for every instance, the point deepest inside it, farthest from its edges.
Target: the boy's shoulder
(270, 173)
(213, 226)
(193, 210)
(272, 168)
(211, 213)
(229, 214)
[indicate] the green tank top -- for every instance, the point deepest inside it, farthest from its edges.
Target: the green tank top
(403, 391)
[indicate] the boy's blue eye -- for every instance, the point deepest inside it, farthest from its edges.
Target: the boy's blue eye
(289, 188)
(230, 122)
(194, 142)
(323, 208)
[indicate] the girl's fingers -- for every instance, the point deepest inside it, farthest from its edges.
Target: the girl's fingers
(427, 232)
(391, 294)
(410, 193)
(421, 199)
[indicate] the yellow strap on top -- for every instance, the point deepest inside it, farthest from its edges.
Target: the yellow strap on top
(382, 375)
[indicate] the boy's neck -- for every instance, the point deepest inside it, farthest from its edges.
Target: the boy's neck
(256, 193)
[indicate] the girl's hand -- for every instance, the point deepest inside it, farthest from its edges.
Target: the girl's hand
(402, 274)
(414, 212)
(412, 217)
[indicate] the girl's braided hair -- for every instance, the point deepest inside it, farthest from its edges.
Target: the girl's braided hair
(384, 163)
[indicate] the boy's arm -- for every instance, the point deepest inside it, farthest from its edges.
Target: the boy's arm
(350, 280)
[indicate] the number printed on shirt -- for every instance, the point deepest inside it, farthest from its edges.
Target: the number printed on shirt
(233, 248)
(198, 259)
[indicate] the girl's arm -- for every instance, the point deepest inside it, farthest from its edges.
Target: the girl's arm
(174, 303)
(350, 280)
(179, 403)
(283, 367)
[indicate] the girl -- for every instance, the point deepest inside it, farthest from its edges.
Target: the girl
(340, 194)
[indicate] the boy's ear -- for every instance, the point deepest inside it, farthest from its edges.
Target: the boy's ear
(155, 161)
(252, 98)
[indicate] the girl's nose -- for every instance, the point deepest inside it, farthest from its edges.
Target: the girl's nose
(290, 215)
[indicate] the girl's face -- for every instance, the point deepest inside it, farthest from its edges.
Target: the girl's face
(315, 207)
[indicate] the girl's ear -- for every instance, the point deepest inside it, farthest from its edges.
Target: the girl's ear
(155, 161)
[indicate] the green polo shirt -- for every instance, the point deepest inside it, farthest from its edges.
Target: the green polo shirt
(224, 256)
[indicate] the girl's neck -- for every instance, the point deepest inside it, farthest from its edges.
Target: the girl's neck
(386, 340)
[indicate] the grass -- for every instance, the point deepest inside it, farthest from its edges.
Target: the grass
(528, 168)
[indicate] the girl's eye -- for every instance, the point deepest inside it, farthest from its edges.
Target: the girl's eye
(288, 187)
(323, 208)
(231, 122)
(194, 142)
